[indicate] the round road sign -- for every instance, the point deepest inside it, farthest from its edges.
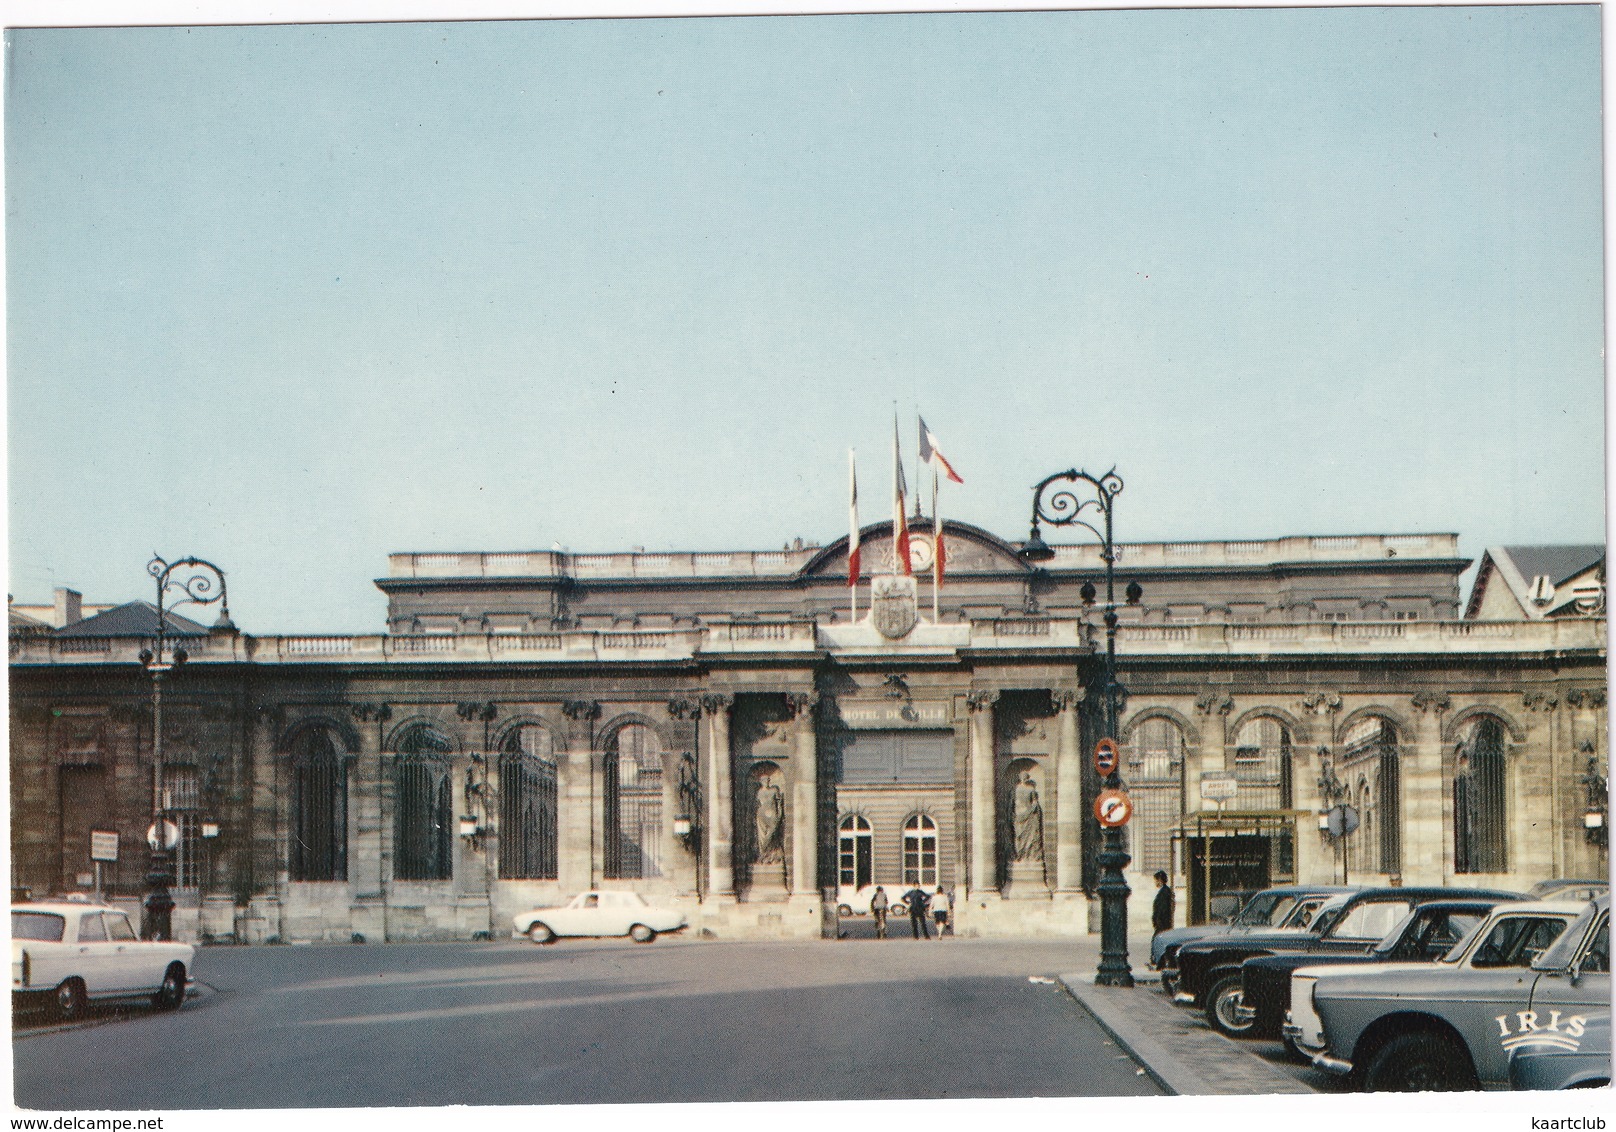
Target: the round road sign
(1112, 808)
(1105, 756)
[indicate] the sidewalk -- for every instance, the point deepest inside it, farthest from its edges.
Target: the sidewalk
(1186, 1056)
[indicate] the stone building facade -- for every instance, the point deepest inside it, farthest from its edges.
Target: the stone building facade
(717, 731)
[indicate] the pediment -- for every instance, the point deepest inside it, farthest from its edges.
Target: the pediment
(970, 550)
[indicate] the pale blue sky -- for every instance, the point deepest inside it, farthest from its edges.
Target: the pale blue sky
(292, 298)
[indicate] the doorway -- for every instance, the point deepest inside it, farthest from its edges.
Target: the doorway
(1239, 866)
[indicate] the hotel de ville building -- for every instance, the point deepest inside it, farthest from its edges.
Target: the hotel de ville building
(717, 731)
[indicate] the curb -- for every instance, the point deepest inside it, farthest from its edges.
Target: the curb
(1233, 1071)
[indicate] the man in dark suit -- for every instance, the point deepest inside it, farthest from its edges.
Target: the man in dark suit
(1161, 912)
(916, 900)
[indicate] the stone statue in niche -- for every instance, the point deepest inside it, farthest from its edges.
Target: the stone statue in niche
(771, 815)
(1027, 820)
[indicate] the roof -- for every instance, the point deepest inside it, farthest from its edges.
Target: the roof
(1517, 568)
(22, 623)
(132, 619)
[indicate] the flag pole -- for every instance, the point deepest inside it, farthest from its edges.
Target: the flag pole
(853, 536)
(936, 552)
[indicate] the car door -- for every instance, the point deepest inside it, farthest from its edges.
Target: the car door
(137, 966)
(96, 961)
(1495, 980)
(1560, 1008)
(619, 912)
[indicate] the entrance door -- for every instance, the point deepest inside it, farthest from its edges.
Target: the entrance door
(84, 808)
(1239, 867)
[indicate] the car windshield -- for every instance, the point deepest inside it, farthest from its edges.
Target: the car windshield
(1370, 920)
(1559, 955)
(1300, 915)
(44, 926)
(1258, 908)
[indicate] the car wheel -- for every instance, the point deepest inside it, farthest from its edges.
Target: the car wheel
(172, 992)
(70, 1000)
(1221, 1002)
(639, 933)
(1292, 1050)
(541, 933)
(900, 909)
(1420, 1063)
(843, 910)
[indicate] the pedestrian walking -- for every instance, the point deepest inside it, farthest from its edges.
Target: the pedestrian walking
(941, 906)
(878, 909)
(1161, 912)
(916, 900)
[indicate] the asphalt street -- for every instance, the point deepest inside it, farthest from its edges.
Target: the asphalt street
(590, 1021)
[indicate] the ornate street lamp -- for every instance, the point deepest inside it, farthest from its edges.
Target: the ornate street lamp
(1595, 826)
(201, 583)
(1061, 508)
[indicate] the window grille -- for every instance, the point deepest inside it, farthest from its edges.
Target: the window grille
(1479, 800)
(1156, 786)
(633, 798)
(182, 803)
(423, 817)
(920, 851)
(319, 809)
(527, 806)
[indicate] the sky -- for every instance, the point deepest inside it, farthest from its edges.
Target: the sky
(292, 298)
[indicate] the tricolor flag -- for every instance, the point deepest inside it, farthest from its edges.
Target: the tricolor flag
(900, 523)
(930, 453)
(853, 528)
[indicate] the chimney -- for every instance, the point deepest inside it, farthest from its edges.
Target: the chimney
(69, 607)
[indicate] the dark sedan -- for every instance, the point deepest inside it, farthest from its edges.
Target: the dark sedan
(1424, 935)
(1209, 973)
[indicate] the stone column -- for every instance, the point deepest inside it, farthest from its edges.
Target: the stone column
(1427, 840)
(1318, 859)
(804, 797)
(1534, 790)
(984, 866)
(577, 839)
(1068, 794)
(716, 706)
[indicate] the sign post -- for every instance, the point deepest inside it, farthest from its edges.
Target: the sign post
(103, 847)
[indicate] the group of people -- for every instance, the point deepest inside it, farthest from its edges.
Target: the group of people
(940, 905)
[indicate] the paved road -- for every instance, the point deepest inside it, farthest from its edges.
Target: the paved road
(510, 1023)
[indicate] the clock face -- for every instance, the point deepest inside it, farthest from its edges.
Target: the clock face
(920, 552)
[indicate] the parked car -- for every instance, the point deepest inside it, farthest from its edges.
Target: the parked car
(1565, 1066)
(1567, 889)
(66, 954)
(1534, 973)
(599, 913)
(1270, 908)
(852, 901)
(1209, 972)
(1424, 935)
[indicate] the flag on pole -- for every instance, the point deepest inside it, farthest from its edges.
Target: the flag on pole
(853, 529)
(936, 552)
(931, 454)
(900, 523)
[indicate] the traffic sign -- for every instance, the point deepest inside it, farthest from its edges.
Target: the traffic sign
(1343, 820)
(103, 845)
(1219, 786)
(170, 836)
(1112, 808)
(1105, 756)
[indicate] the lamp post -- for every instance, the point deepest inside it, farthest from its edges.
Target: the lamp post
(201, 583)
(1595, 829)
(1065, 506)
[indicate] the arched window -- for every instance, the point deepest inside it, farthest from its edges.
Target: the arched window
(1262, 774)
(633, 798)
(182, 804)
(319, 807)
(423, 806)
(1369, 748)
(855, 853)
(1156, 786)
(527, 805)
(1479, 799)
(920, 851)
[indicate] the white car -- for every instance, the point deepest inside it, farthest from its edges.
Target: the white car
(599, 913)
(66, 954)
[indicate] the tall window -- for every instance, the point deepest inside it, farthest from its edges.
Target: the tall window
(1478, 799)
(633, 803)
(1155, 783)
(423, 805)
(920, 851)
(319, 808)
(1370, 753)
(855, 853)
(527, 806)
(182, 799)
(1262, 774)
